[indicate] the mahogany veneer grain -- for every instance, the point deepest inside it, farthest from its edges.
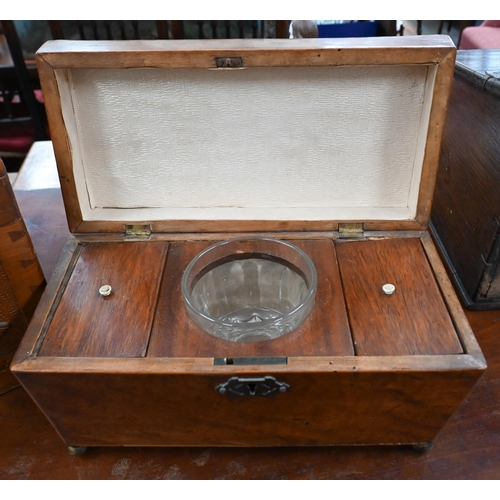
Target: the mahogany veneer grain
(414, 320)
(87, 324)
(182, 409)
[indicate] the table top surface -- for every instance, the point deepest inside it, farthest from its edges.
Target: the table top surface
(480, 60)
(468, 447)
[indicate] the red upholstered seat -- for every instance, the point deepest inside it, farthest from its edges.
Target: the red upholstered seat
(485, 36)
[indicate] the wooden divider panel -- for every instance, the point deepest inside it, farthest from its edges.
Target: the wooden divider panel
(325, 332)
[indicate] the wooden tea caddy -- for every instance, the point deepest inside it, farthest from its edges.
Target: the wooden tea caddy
(166, 147)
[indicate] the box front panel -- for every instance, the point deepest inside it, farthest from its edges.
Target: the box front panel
(326, 408)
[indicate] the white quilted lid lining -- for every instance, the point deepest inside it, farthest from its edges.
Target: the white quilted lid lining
(322, 143)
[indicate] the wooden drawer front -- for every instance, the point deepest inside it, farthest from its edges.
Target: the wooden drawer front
(414, 320)
(87, 324)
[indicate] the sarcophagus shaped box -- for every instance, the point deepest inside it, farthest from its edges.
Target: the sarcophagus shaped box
(167, 148)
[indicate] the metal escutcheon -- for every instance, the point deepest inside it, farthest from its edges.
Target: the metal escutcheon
(238, 387)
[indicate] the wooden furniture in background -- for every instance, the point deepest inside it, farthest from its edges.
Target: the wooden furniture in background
(466, 213)
(176, 29)
(38, 193)
(22, 115)
(390, 28)
(236, 29)
(38, 170)
(462, 25)
(106, 30)
(21, 279)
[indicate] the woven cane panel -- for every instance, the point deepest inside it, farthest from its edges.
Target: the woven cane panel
(13, 324)
(259, 137)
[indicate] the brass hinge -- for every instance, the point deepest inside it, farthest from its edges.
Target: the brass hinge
(138, 230)
(351, 230)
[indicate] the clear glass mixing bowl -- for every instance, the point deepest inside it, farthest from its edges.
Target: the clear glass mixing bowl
(249, 289)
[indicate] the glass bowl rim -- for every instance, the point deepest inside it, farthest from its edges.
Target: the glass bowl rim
(310, 294)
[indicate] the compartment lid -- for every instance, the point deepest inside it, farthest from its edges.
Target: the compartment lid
(247, 135)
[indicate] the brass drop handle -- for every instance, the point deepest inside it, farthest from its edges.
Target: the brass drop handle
(238, 387)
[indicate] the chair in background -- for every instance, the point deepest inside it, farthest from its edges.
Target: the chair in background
(128, 30)
(390, 28)
(462, 25)
(109, 30)
(22, 113)
(231, 29)
(484, 36)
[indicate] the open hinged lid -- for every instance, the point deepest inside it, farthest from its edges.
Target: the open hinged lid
(247, 135)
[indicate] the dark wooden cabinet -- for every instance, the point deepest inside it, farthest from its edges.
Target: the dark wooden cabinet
(465, 220)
